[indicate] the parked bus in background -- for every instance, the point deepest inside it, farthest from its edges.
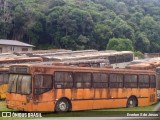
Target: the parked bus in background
(150, 65)
(19, 59)
(3, 82)
(5, 62)
(67, 88)
(158, 82)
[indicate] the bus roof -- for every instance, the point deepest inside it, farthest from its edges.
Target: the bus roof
(85, 69)
(85, 55)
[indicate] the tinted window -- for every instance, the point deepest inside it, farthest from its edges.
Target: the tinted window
(120, 58)
(152, 81)
(4, 77)
(63, 80)
(128, 58)
(112, 59)
(100, 80)
(143, 81)
(42, 83)
(116, 81)
(82, 80)
(130, 81)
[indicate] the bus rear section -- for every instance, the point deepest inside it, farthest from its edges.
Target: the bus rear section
(3, 82)
(66, 88)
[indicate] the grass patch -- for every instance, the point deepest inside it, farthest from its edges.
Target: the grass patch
(89, 113)
(103, 112)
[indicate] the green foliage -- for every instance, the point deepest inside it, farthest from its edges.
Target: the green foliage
(82, 24)
(138, 54)
(120, 44)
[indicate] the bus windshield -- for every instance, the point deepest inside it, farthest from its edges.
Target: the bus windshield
(19, 83)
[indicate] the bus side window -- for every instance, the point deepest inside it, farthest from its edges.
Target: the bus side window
(100, 80)
(83, 80)
(63, 80)
(130, 81)
(112, 59)
(120, 58)
(42, 83)
(128, 57)
(5, 78)
(1, 79)
(143, 81)
(152, 81)
(116, 81)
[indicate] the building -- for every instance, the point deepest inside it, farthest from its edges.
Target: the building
(10, 46)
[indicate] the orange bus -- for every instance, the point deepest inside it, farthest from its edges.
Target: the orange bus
(151, 65)
(19, 59)
(3, 82)
(67, 88)
(5, 62)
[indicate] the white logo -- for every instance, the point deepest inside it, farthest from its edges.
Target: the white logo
(6, 114)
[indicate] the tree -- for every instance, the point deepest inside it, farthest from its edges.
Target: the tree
(120, 44)
(142, 43)
(102, 33)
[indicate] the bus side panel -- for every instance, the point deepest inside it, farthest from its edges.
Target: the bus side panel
(44, 106)
(83, 94)
(143, 101)
(82, 99)
(82, 105)
(109, 103)
(147, 97)
(59, 93)
(3, 90)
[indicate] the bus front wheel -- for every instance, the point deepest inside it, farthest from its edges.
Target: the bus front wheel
(62, 105)
(132, 102)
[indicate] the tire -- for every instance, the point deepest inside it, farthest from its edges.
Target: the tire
(62, 105)
(132, 102)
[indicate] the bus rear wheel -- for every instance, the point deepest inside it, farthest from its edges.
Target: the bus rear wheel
(62, 105)
(132, 102)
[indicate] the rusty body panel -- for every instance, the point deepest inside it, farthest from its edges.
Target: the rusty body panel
(150, 64)
(3, 85)
(80, 98)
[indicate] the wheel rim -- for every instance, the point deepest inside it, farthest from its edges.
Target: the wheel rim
(62, 106)
(131, 102)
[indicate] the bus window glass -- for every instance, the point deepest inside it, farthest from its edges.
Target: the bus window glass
(12, 83)
(143, 81)
(63, 80)
(19, 81)
(130, 81)
(5, 78)
(112, 59)
(116, 80)
(100, 80)
(14, 86)
(120, 58)
(128, 57)
(83, 80)
(26, 84)
(1, 78)
(152, 81)
(42, 83)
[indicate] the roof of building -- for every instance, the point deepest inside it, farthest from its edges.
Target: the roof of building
(14, 42)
